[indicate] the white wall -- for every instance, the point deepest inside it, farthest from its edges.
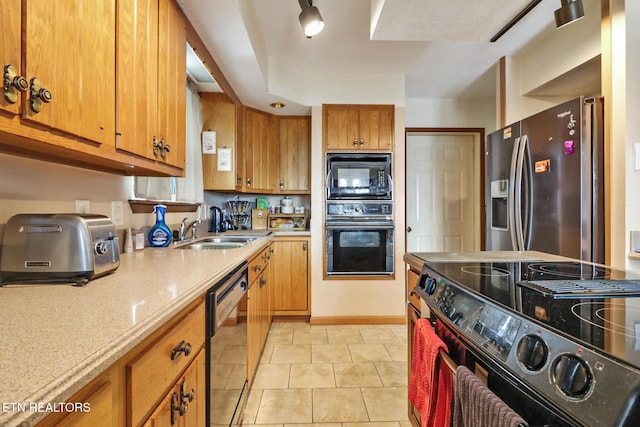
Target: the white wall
(35, 186)
(450, 112)
(549, 60)
(367, 298)
(631, 68)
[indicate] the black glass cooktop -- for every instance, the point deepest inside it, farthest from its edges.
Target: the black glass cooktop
(597, 305)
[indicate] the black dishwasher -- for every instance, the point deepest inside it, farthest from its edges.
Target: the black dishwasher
(226, 350)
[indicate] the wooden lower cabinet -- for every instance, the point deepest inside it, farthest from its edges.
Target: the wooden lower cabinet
(97, 410)
(291, 293)
(157, 366)
(137, 389)
(184, 405)
(258, 310)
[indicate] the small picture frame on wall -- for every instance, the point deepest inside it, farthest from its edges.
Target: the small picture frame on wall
(208, 142)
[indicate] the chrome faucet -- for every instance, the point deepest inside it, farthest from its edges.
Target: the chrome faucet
(185, 227)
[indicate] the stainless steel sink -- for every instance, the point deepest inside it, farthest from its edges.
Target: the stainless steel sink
(221, 242)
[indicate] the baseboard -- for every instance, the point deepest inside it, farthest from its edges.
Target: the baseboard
(358, 320)
(288, 318)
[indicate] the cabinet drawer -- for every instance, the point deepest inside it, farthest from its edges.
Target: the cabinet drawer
(412, 297)
(258, 264)
(151, 374)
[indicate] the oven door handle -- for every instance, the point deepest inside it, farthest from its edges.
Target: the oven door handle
(353, 226)
(326, 183)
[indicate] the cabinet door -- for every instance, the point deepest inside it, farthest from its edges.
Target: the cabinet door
(341, 128)
(52, 58)
(269, 165)
(195, 385)
(254, 346)
(376, 128)
(172, 80)
(289, 264)
(251, 149)
(100, 415)
(219, 115)
(137, 71)
(10, 22)
(294, 141)
(67, 45)
(165, 415)
(184, 405)
(259, 151)
(98, 86)
(241, 162)
(265, 284)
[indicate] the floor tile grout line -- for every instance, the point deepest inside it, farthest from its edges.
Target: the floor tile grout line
(332, 364)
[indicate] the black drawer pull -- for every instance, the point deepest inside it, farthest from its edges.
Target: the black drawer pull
(183, 347)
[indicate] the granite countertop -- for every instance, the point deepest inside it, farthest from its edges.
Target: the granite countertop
(57, 338)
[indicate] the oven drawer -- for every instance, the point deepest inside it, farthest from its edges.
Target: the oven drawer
(155, 370)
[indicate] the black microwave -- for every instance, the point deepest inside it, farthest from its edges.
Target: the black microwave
(359, 176)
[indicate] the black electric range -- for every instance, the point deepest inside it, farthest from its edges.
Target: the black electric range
(568, 330)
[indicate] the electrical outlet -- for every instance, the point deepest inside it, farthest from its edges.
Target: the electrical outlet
(83, 206)
(117, 214)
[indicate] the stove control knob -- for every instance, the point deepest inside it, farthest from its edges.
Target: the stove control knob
(532, 352)
(430, 285)
(571, 375)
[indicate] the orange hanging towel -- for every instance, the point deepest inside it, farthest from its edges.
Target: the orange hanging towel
(430, 383)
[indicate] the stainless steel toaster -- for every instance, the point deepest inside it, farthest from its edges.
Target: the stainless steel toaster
(58, 248)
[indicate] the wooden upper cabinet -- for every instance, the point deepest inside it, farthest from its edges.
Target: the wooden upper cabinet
(340, 127)
(172, 81)
(358, 127)
(294, 136)
(151, 80)
(376, 128)
(260, 161)
(272, 153)
(10, 15)
(219, 115)
(70, 66)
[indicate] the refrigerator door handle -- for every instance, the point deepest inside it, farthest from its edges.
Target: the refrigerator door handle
(511, 203)
(519, 226)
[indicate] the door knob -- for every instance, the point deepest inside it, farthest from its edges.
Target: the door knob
(38, 95)
(13, 84)
(408, 229)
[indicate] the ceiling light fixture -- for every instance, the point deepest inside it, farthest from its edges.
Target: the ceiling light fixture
(528, 8)
(277, 105)
(570, 11)
(310, 18)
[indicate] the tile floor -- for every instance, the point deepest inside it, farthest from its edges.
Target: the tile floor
(337, 376)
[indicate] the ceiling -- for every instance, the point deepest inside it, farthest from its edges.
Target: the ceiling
(422, 48)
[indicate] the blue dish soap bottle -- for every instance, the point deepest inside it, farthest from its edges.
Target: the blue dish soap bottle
(160, 234)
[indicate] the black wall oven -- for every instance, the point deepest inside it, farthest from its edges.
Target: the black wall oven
(359, 176)
(359, 239)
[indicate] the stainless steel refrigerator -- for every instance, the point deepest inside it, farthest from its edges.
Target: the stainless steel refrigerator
(544, 183)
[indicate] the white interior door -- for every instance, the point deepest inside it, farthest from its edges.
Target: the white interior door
(443, 194)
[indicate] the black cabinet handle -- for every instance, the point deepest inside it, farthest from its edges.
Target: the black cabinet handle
(183, 347)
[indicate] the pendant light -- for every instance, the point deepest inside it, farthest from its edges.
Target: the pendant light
(310, 18)
(569, 11)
